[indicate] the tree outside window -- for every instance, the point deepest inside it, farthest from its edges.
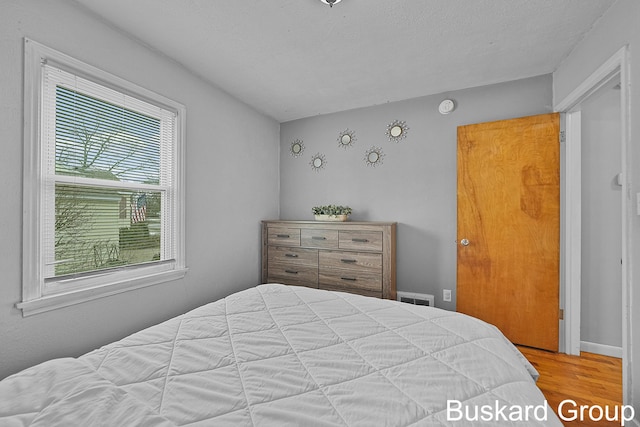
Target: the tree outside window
(98, 141)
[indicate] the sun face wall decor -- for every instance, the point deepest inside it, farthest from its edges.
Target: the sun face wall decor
(373, 156)
(297, 148)
(397, 130)
(346, 138)
(318, 161)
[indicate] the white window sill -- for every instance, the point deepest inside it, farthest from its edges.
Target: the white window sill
(59, 300)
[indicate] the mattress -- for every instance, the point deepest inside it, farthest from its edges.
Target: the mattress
(277, 355)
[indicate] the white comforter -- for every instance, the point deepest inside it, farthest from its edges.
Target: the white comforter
(278, 355)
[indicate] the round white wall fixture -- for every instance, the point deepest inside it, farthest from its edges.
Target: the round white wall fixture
(446, 106)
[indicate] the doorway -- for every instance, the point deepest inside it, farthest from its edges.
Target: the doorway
(617, 67)
(601, 212)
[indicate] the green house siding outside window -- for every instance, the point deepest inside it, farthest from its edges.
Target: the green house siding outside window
(97, 140)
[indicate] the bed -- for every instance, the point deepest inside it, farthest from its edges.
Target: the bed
(277, 355)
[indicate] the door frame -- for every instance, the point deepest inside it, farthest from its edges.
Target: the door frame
(617, 65)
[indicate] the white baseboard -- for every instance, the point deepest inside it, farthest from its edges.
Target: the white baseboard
(603, 349)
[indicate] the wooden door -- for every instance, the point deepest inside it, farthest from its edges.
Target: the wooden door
(509, 227)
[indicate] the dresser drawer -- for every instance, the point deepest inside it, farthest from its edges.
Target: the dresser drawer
(351, 270)
(293, 275)
(360, 240)
(349, 281)
(283, 236)
(324, 239)
(351, 261)
(292, 266)
(292, 256)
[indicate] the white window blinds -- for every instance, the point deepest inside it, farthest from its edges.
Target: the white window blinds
(108, 178)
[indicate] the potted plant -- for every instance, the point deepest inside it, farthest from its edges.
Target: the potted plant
(331, 213)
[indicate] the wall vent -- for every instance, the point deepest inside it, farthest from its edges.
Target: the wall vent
(415, 298)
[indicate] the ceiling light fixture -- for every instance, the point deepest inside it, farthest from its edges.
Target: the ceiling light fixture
(330, 2)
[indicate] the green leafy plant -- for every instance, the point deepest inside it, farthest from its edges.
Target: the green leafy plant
(331, 210)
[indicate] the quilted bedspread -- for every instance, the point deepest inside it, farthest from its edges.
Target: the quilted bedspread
(278, 355)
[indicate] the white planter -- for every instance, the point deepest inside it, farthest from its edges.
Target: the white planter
(331, 217)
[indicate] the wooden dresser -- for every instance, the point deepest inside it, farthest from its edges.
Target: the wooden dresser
(356, 257)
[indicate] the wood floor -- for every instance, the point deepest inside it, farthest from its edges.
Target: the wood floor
(590, 379)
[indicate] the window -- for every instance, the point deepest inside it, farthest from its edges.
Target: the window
(103, 184)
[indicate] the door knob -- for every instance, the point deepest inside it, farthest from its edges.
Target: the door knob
(464, 242)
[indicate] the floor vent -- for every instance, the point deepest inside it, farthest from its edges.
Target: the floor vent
(415, 298)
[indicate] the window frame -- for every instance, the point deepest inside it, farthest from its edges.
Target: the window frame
(36, 296)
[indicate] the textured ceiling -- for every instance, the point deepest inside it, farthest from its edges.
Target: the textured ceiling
(298, 58)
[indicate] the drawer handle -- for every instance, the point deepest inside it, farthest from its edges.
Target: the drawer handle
(360, 240)
(291, 271)
(282, 236)
(291, 255)
(351, 279)
(349, 261)
(318, 238)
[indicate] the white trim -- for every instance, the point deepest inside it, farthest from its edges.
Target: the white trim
(618, 64)
(36, 296)
(31, 228)
(603, 349)
(572, 233)
(594, 82)
(53, 302)
(627, 215)
(180, 186)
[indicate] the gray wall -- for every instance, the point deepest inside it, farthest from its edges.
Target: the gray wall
(601, 278)
(617, 28)
(415, 185)
(232, 183)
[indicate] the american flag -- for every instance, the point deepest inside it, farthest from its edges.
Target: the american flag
(139, 209)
